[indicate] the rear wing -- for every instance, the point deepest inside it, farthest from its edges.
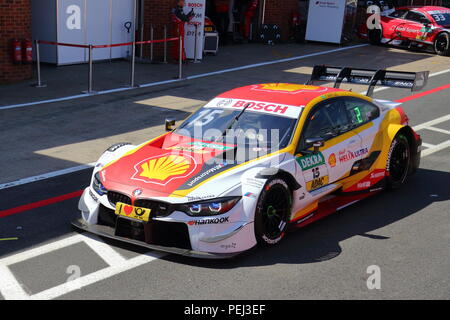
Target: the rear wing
(370, 77)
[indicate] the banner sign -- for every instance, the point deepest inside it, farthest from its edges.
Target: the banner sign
(190, 44)
(325, 20)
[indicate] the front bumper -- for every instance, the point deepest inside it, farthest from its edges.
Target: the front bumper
(220, 236)
(109, 232)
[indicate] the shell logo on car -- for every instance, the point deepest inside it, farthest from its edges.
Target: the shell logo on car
(332, 160)
(288, 88)
(163, 169)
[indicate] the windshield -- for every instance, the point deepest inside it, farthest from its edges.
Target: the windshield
(243, 128)
(442, 18)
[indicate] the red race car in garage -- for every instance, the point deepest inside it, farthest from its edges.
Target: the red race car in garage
(425, 27)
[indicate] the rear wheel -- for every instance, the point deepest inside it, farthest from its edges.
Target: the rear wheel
(374, 36)
(442, 44)
(399, 162)
(272, 212)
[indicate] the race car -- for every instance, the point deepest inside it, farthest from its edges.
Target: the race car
(424, 27)
(253, 163)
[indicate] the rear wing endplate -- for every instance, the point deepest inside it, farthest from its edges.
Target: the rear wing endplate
(398, 79)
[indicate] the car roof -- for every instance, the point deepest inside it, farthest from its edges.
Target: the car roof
(281, 93)
(422, 8)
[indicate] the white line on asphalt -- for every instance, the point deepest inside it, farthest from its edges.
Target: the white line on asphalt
(274, 62)
(428, 145)
(96, 276)
(436, 148)
(106, 252)
(438, 130)
(46, 248)
(433, 122)
(11, 288)
(202, 75)
(45, 176)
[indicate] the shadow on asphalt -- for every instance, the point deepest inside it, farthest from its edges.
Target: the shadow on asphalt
(320, 241)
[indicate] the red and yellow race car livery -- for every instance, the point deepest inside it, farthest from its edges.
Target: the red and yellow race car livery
(252, 163)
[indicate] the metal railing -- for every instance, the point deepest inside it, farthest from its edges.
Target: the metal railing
(91, 47)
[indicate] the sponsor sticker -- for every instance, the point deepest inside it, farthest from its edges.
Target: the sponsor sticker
(192, 149)
(288, 88)
(317, 183)
(206, 173)
(142, 214)
(257, 106)
(93, 196)
(208, 221)
(199, 144)
(332, 160)
(311, 161)
(305, 218)
(164, 168)
(232, 245)
(363, 185)
(375, 175)
(347, 155)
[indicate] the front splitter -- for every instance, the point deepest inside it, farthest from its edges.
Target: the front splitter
(108, 232)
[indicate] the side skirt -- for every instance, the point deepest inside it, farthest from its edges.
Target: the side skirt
(334, 203)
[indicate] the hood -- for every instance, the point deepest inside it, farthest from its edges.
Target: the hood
(165, 165)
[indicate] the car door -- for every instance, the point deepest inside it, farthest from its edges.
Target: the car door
(366, 121)
(415, 27)
(393, 25)
(330, 121)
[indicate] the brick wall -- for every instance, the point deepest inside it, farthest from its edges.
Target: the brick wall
(15, 22)
(157, 13)
(280, 14)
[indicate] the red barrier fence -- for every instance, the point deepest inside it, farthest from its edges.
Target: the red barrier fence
(92, 47)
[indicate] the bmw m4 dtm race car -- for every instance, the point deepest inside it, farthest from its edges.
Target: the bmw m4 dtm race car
(254, 162)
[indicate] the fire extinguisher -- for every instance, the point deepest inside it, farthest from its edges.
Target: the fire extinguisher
(295, 19)
(17, 51)
(27, 51)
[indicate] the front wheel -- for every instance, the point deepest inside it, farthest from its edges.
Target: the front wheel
(272, 212)
(442, 44)
(399, 162)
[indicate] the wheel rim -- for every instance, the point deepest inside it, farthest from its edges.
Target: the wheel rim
(399, 162)
(441, 44)
(274, 212)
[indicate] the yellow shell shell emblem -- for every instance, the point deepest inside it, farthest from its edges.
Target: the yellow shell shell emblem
(287, 87)
(164, 167)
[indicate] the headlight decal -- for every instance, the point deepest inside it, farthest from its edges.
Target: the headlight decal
(97, 185)
(208, 208)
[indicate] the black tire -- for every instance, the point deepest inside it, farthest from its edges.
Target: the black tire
(374, 36)
(399, 162)
(442, 44)
(272, 212)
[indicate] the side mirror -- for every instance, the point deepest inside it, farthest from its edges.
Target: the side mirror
(316, 143)
(170, 124)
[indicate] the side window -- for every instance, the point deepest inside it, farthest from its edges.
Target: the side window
(319, 123)
(416, 17)
(327, 120)
(397, 14)
(360, 111)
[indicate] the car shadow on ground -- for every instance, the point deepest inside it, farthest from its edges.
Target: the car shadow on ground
(320, 241)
